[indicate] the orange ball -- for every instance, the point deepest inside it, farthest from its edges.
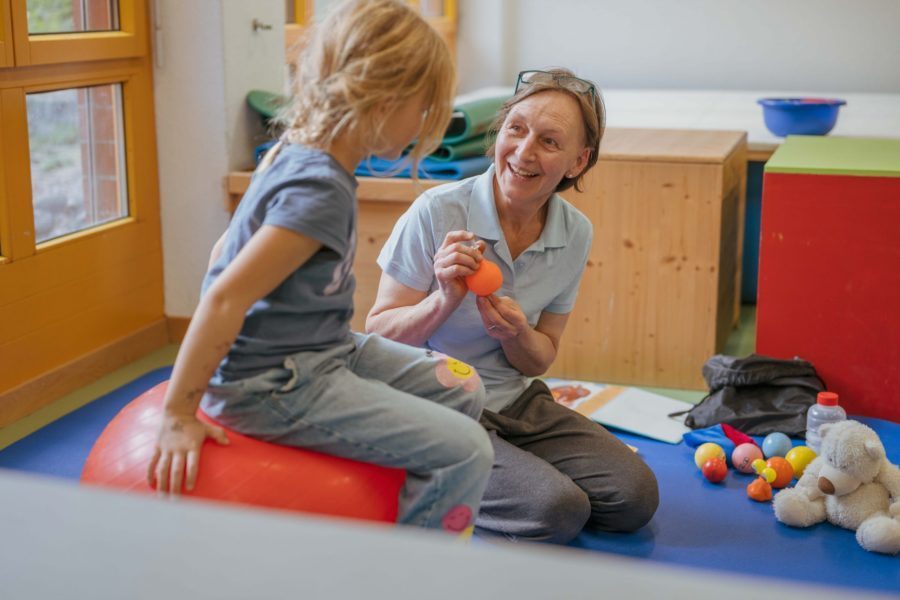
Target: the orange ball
(784, 472)
(486, 280)
(246, 471)
(760, 490)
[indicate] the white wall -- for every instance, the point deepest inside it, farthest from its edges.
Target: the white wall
(208, 58)
(211, 58)
(803, 45)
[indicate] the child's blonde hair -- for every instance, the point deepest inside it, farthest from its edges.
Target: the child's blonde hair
(366, 55)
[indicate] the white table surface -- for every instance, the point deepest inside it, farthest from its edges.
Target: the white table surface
(59, 540)
(864, 115)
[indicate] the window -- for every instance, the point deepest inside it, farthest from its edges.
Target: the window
(80, 249)
(78, 174)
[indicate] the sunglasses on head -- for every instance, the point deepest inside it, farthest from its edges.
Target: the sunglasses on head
(563, 80)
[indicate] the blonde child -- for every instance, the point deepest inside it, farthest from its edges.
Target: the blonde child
(269, 351)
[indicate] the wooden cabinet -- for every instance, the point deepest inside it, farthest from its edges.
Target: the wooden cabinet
(661, 289)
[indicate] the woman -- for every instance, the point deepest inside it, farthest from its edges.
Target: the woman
(554, 471)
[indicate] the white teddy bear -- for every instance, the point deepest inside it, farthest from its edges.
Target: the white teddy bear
(852, 484)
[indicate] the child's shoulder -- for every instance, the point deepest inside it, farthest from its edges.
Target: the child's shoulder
(303, 165)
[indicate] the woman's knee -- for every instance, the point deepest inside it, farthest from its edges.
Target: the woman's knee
(635, 503)
(561, 516)
(472, 402)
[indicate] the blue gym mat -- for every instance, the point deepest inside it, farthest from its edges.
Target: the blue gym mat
(698, 524)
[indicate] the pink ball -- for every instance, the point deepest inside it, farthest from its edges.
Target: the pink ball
(743, 456)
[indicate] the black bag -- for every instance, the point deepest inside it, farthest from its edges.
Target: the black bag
(757, 394)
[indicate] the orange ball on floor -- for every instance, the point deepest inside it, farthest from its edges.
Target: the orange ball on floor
(486, 280)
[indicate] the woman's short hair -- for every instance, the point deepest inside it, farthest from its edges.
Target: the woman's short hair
(593, 113)
(365, 55)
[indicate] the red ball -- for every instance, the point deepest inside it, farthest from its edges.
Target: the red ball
(486, 280)
(247, 471)
(715, 470)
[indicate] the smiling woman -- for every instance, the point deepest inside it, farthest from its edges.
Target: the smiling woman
(80, 255)
(555, 471)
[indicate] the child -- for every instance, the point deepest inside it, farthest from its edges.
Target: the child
(269, 349)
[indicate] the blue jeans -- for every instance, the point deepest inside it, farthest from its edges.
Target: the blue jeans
(381, 402)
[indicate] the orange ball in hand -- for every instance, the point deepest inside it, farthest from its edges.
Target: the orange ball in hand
(486, 280)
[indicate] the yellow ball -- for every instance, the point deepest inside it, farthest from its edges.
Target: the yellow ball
(707, 451)
(758, 465)
(769, 474)
(800, 457)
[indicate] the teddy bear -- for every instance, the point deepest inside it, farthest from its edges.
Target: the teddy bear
(851, 484)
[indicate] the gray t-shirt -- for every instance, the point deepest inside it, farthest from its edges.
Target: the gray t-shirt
(306, 191)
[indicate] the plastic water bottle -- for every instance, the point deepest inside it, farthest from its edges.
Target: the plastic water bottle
(825, 410)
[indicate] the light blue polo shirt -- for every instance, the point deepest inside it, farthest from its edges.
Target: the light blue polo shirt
(544, 277)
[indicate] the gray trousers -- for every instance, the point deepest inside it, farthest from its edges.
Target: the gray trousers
(555, 472)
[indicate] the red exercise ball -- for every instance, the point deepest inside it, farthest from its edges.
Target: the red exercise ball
(486, 280)
(247, 471)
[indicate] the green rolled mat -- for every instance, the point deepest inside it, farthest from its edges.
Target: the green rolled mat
(464, 149)
(266, 104)
(471, 118)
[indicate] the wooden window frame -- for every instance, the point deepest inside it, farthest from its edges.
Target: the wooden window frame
(55, 48)
(6, 43)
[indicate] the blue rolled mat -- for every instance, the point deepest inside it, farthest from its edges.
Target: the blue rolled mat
(428, 168)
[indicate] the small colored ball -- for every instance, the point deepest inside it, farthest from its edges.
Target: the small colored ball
(759, 490)
(758, 465)
(707, 451)
(800, 457)
(715, 470)
(768, 474)
(743, 456)
(776, 444)
(784, 472)
(486, 280)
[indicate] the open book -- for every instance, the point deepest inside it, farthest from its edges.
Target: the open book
(626, 408)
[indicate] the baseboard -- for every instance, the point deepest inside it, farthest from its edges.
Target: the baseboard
(177, 327)
(41, 391)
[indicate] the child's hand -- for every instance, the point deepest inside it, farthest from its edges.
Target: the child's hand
(177, 454)
(502, 316)
(457, 258)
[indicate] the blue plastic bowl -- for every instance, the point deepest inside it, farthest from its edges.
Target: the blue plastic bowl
(800, 116)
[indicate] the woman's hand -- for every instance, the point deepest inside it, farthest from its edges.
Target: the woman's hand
(455, 259)
(502, 317)
(177, 453)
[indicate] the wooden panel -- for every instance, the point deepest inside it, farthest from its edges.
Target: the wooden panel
(6, 41)
(646, 311)
(41, 391)
(670, 145)
(64, 264)
(114, 317)
(18, 218)
(376, 221)
(43, 308)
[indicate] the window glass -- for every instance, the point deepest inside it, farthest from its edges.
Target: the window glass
(72, 16)
(77, 147)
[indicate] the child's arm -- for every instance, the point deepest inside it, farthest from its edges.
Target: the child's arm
(270, 256)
